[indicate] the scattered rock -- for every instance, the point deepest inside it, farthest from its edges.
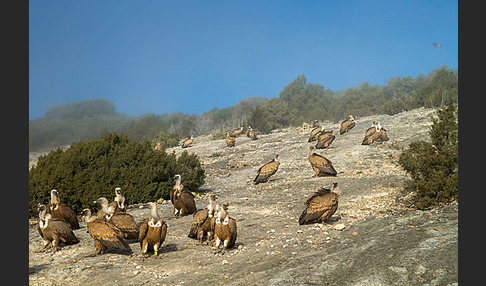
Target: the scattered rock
(339, 226)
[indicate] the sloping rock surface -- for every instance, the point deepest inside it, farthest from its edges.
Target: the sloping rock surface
(372, 239)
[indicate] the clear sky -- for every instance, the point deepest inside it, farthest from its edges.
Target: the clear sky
(191, 56)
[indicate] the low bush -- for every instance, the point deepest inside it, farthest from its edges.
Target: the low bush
(92, 169)
(433, 165)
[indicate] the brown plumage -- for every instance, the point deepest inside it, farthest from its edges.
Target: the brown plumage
(266, 171)
(54, 230)
(347, 125)
(321, 165)
(324, 139)
(202, 225)
(375, 134)
(321, 205)
(123, 221)
(182, 200)
(225, 229)
(187, 142)
(247, 132)
(105, 235)
(315, 123)
(314, 133)
(152, 231)
(236, 132)
(62, 211)
(253, 134)
(230, 141)
(370, 131)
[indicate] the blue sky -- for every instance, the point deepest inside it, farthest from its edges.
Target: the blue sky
(191, 56)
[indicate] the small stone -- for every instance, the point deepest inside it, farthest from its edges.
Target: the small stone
(224, 262)
(299, 231)
(339, 226)
(240, 247)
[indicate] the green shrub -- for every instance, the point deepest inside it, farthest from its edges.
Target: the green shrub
(92, 169)
(433, 165)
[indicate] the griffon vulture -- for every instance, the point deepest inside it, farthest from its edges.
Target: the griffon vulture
(321, 205)
(182, 200)
(54, 230)
(266, 171)
(105, 235)
(321, 165)
(120, 201)
(202, 225)
(230, 141)
(347, 125)
(123, 221)
(236, 132)
(375, 134)
(324, 139)
(253, 134)
(316, 131)
(370, 131)
(187, 142)
(152, 231)
(225, 229)
(62, 211)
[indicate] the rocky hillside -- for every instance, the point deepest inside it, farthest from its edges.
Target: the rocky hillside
(372, 239)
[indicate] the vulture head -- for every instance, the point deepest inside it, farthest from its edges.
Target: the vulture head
(86, 215)
(335, 188)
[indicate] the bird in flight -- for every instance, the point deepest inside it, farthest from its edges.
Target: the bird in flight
(436, 45)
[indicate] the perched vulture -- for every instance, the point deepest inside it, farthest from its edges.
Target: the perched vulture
(120, 201)
(247, 132)
(324, 139)
(236, 132)
(266, 171)
(370, 131)
(212, 206)
(62, 211)
(123, 221)
(347, 125)
(321, 205)
(253, 134)
(187, 142)
(182, 200)
(118, 204)
(225, 229)
(321, 165)
(54, 230)
(230, 141)
(316, 131)
(375, 134)
(202, 225)
(105, 235)
(152, 231)
(315, 123)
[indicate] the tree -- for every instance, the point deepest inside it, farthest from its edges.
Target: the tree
(433, 165)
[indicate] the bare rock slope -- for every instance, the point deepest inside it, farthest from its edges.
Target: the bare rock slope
(372, 239)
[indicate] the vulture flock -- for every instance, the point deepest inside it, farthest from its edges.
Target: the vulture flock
(111, 228)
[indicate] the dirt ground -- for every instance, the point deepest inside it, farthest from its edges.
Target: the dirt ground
(372, 239)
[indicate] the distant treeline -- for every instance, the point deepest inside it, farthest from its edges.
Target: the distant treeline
(299, 101)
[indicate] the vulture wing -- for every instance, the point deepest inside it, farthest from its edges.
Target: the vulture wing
(266, 171)
(322, 204)
(188, 202)
(198, 219)
(314, 133)
(63, 230)
(370, 131)
(233, 232)
(163, 231)
(143, 230)
(127, 225)
(322, 165)
(107, 235)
